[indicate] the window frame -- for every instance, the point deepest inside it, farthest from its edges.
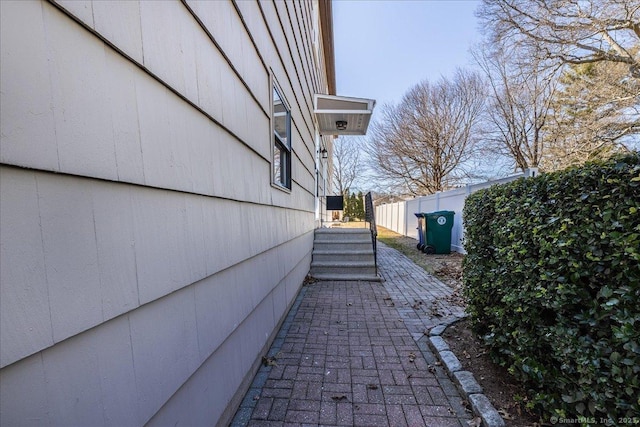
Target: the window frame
(281, 178)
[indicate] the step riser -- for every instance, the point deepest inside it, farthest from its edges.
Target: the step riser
(342, 246)
(364, 271)
(343, 257)
(342, 240)
(362, 234)
(348, 277)
(319, 231)
(342, 237)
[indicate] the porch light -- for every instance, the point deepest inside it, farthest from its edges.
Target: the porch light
(324, 153)
(341, 115)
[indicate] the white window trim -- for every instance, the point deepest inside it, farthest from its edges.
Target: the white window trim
(279, 185)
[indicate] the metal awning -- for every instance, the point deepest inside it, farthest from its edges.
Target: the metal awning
(341, 115)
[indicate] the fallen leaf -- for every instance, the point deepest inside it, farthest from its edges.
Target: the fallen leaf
(269, 361)
(256, 397)
(431, 369)
(309, 280)
(339, 397)
(504, 414)
(372, 386)
(476, 422)
(412, 357)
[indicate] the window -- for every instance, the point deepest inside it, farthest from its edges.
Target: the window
(281, 141)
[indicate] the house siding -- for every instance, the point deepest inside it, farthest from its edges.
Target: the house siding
(147, 260)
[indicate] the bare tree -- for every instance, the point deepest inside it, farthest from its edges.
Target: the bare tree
(569, 31)
(518, 107)
(347, 165)
(421, 144)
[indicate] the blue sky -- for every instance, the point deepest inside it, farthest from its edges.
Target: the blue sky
(382, 48)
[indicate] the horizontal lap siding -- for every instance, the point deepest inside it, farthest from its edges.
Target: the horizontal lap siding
(158, 251)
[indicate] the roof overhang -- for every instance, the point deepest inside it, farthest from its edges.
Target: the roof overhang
(326, 29)
(341, 115)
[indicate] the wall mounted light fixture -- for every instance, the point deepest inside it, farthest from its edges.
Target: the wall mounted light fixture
(341, 125)
(324, 153)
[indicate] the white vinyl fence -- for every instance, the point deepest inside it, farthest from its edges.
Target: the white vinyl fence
(399, 216)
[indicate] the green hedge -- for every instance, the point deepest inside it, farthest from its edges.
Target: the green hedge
(552, 281)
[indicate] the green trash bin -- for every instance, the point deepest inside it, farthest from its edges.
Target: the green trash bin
(438, 232)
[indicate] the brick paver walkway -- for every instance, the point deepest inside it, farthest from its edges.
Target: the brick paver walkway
(422, 300)
(354, 353)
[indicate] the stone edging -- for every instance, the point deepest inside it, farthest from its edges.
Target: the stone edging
(464, 380)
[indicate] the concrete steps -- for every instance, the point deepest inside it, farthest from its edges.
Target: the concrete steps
(324, 255)
(343, 254)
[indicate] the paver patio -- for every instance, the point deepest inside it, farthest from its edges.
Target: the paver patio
(355, 353)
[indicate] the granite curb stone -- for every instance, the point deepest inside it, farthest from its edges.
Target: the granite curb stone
(438, 343)
(450, 361)
(465, 381)
(439, 330)
(481, 405)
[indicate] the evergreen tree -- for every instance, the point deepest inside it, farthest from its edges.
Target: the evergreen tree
(359, 210)
(596, 113)
(353, 207)
(346, 212)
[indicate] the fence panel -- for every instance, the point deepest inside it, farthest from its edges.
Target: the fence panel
(399, 216)
(411, 207)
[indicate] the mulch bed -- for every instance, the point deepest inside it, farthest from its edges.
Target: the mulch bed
(498, 385)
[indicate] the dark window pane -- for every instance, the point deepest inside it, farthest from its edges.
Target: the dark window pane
(282, 141)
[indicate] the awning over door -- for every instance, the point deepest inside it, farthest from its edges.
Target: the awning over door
(341, 115)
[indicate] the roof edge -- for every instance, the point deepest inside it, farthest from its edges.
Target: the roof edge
(326, 22)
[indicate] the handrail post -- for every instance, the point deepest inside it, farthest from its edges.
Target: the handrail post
(370, 217)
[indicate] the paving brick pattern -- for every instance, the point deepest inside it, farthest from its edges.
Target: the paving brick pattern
(422, 300)
(345, 356)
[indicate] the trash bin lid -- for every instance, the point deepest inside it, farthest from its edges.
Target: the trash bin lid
(440, 213)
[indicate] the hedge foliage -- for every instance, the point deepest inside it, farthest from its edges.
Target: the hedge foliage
(552, 281)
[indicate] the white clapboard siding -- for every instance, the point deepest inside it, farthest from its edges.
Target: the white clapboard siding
(146, 258)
